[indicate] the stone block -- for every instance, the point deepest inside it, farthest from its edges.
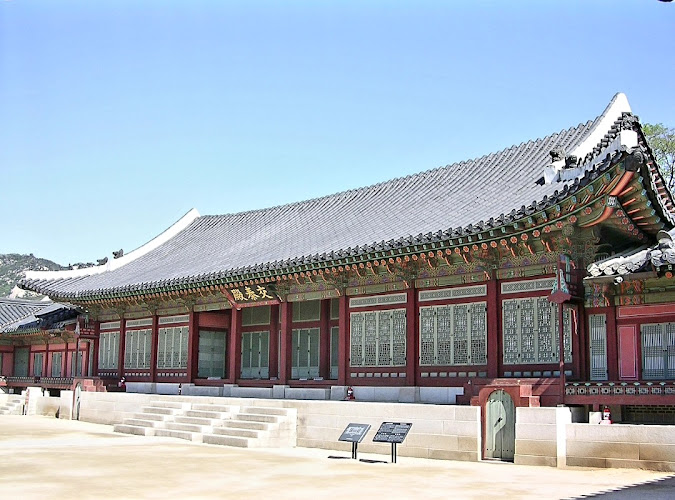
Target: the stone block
(536, 415)
(421, 426)
(307, 393)
(166, 388)
(252, 392)
(536, 447)
(603, 449)
(461, 428)
(465, 456)
(141, 387)
(657, 452)
(279, 391)
(409, 395)
(227, 390)
(539, 432)
(586, 462)
(542, 461)
(467, 413)
(468, 444)
(66, 405)
(338, 392)
(440, 395)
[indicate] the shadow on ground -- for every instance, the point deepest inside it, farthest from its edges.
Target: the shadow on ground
(658, 489)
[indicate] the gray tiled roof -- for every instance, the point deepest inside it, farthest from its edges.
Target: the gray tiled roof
(643, 258)
(16, 313)
(436, 204)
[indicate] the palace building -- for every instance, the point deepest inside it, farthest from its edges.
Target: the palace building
(541, 274)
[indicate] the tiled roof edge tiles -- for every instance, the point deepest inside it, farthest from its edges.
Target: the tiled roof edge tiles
(160, 239)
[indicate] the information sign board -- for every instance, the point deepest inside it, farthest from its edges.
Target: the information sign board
(354, 433)
(392, 432)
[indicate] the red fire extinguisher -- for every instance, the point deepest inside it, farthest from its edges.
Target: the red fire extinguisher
(350, 394)
(606, 415)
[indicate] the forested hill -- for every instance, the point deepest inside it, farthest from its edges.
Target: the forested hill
(13, 266)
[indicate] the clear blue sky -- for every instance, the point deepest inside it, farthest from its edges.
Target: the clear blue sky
(117, 117)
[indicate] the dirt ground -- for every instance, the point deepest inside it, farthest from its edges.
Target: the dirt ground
(47, 458)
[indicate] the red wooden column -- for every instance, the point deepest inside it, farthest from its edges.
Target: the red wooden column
(412, 350)
(120, 359)
(45, 362)
(612, 343)
(274, 342)
(234, 346)
(324, 340)
(154, 347)
(64, 361)
(343, 339)
(285, 343)
(579, 350)
(494, 360)
(193, 347)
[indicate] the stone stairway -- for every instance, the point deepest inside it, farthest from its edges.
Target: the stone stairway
(13, 405)
(254, 425)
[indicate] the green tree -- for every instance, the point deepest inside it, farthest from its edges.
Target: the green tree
(662, 141)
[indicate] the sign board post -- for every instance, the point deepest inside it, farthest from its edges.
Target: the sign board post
(354, 433)
(394, 433)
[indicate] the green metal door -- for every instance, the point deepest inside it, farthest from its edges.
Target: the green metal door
(21, 355)
(500, 421)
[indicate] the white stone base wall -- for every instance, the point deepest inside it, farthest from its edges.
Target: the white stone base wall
(536, 436)
(621, 445)
(438, 431)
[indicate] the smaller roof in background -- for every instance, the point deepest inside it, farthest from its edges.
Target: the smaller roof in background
(641, 259)
(21, 314)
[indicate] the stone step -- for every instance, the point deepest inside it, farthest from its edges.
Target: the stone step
(265, 410)
(208, 414)
(218, 408)
(160, 410)
(211, 422)
(134, 429)
(240, 442)
(258, 417)
(174, 426)
(143, 422)
(179, 405)
(233, 431)
(190, 436)
(245, 424)
(151, 416)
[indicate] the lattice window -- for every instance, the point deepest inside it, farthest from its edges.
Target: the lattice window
(380, 336)
(478, 315)
(598, 346)
(255, 354)
(37, 364)
(453, 334)
(137, 347)
(530, 331)
(427, 335)
(334, 351)
(384, 339)
(76, 360)
(547, 341)
(399, 337)
(305, 359)
(172, 350)
(658, 351)
(460, 345)
(444, 340)
(108, 350)
(511, 331)
(357, 323)
(57, 360)
(370, 340)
